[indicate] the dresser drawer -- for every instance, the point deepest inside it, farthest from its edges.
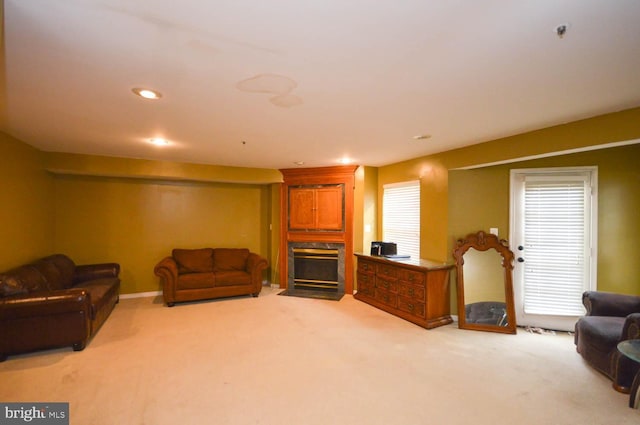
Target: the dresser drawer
(386, 297)
(412, 276)
(411, 291)
(387, 270)
(386, 284)
(411, 306)
(365, 278)
(366, 266)
(366, 285)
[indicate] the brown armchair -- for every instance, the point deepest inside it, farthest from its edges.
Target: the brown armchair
(610, 318)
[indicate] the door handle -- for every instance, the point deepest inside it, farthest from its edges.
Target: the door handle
(520, 260)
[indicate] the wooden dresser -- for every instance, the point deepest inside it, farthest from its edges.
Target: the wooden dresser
(415, 290)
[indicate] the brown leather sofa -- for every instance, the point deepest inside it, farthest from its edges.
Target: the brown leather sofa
(610, 319)
(54, 303)
(205, 273)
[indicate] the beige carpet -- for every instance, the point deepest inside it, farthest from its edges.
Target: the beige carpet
(286, 360)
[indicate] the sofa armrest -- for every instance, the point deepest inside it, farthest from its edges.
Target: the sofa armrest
(166, 266)
(631, 329)
(45, 303)
(167, 270)
(256, 264)
(599, 303)
(87, 272)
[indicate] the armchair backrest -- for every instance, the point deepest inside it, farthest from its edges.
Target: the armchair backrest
(600, 303)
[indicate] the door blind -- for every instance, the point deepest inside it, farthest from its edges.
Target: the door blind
(401, 216)
(556, 244)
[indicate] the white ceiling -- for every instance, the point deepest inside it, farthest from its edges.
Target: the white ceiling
(267, 83)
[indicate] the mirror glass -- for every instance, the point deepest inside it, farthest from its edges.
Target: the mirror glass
(485, 293)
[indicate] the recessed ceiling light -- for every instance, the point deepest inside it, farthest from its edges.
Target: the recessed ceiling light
(422, 137)
(159, 141)
(299, 162)
(345, 160)
(147, 93)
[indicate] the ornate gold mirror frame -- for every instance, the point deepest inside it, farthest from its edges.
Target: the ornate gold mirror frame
(484, 268)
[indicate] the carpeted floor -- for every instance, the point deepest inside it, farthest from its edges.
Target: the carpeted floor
(287, 360)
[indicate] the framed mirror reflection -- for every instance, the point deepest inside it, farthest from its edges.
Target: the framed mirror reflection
(484, 272)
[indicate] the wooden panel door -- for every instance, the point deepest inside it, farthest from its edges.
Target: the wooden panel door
(301, 208)
(329, 208)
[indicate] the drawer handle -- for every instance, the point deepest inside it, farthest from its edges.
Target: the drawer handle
(411, 307)
(411, 292)
(411, 278)
(385, 284)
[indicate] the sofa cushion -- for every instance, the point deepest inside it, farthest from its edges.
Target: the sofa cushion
(102, 292)
(66, 267)
(22, 280)
(58, 271)
(196, 281)
(225, 259)
(10, 286)
(232, 278)
(602, 332)
(194, 260)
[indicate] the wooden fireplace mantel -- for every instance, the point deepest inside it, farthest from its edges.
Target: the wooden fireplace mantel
(317, 206)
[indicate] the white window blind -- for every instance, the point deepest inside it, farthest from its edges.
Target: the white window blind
(557, 244)
(401, 216)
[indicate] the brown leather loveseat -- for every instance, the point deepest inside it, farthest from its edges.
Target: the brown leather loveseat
(54, 303)
(198, 274)
(610, 319)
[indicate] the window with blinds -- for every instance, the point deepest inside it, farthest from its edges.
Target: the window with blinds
(401, 216)
(557, 244)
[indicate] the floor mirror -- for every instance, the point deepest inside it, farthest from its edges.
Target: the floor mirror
(484, 272)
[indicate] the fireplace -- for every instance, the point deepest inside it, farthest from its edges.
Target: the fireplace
(315, 269)
(316, 266)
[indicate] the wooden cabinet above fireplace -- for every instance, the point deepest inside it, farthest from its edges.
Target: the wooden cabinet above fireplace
(316, 207)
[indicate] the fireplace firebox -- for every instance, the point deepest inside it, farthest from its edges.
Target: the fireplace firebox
(316, 267)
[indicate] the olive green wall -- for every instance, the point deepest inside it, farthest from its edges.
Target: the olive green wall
(478, 200)
(365, 207)
(274, 234)
(137, 222)
(26, 200)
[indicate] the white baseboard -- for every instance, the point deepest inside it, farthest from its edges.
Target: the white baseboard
(141, 295)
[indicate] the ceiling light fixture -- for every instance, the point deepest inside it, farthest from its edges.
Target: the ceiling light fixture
(159, 141)
(422, 137)
(147, 93)
(299, 162)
